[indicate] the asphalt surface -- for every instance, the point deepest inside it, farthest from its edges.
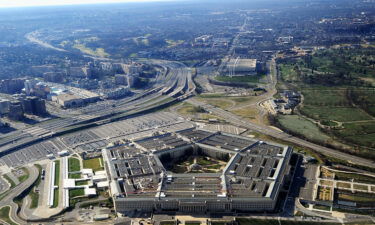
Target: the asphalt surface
(8, 199)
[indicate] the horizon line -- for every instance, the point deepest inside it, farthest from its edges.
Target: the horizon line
(40, 3)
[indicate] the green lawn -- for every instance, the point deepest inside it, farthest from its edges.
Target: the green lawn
(57, 182)
(34, 196)
(288, 73)
(25, 176)
(341, 114)
(57, 172)
(240, 79)
(187, 109)
(74, 175)
(95, 164)
(357, 177)
(74, 164)
(326, 97)
(55, 198)
(247, 221)
(85, 182)
(356, 197)
(308, 129)
(11, 182)
(76, 192)
(4, 215)
(358, 132)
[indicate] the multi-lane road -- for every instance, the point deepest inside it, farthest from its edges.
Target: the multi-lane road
(178, 80)
(16, 191)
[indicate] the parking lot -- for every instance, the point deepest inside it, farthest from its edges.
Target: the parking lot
(97, 138)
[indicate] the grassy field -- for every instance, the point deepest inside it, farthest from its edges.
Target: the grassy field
(248, 221)
(322, 207)
(187, 109)
(240, 79)
(360, 187)
(328, 105)
(308, 129)
(336, 88)
(74, 164)
(226, 102)
(10, 181)
(341, 114)
(76, 193)
(57, 182)
(356, 177)
(95, 164)
(359, 133)
(4, 215)
(25, 176)
(74, 175)
(34, 196)
(85, 182)
(55, 198)
(343, 185)
(173, 43)
(249, 113)
(326, 97)
(100, 52)
(192, 223)
(288, 73)
(356, 197)
(57, 172)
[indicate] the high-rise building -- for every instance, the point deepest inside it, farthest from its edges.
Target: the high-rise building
(15, 111)
(56, 77)
(121, 79)
(4, 106)
(33, 105)
(11, 86)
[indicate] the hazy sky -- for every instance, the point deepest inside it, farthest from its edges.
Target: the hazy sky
(20, 3)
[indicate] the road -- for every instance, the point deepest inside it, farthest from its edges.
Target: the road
(8, 199)
(238, 121)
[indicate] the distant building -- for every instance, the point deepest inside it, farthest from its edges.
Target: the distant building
(79, 72)
(4, 106)
(39, 70)
(15, 111)
(11, 86)
(41, 90)
(202, 39)
(116, 93)
(239, 66)
(56, 77)
(133, 68)
(33, 105)
(131, 79)
(29, 86)
(121, 79)
(68, 100)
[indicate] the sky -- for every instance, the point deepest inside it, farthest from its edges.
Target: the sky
(24, 3)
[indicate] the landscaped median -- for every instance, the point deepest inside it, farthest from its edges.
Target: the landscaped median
(4, 215)
(56, 183)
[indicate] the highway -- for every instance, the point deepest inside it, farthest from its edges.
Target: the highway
(8, 199)
(177, 79)
(238, 121)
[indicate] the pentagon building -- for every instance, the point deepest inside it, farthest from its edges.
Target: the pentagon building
(142, 177)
